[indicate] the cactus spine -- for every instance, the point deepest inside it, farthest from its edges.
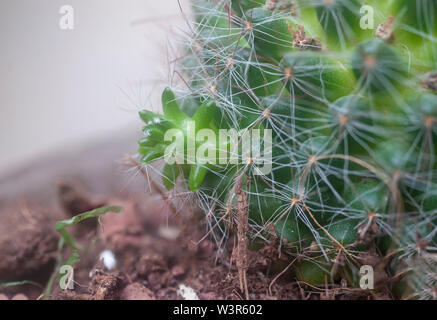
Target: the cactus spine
(353, 118)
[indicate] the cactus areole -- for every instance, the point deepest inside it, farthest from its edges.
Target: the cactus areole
(343, 113)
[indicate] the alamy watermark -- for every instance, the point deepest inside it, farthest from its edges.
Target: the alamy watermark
(367, 20)
(366, 277)
(229, 147)
(66, 22)
(66, 281)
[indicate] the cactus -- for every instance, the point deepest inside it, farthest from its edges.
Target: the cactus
(352, 114)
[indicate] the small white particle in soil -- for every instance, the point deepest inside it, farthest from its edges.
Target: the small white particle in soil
(168, 232)
(108, 259)
(187, 293)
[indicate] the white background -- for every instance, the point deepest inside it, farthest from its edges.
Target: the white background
(63, 89)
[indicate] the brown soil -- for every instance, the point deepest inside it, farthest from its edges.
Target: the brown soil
(155, 253)
(153, 256)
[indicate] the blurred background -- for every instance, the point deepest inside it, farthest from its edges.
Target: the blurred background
(63, 91)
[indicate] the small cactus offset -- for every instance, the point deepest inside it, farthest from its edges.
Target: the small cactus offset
(317, 119)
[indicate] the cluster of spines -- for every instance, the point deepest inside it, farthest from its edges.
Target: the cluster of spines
(354, 119)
